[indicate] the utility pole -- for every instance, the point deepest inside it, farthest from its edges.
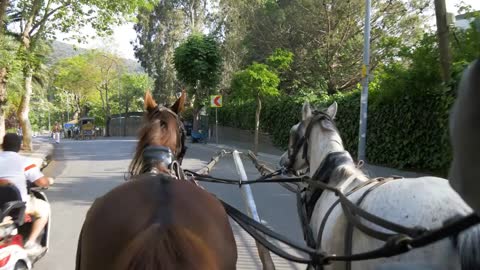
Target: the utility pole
(442, 34)
(362, 130)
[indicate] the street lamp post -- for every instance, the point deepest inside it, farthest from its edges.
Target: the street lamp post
(362, 132)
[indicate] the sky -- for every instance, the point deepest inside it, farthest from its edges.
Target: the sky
(119, 42)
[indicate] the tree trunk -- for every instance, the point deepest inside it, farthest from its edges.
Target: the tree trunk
(125, 118)
(197, 107)
(442, 33)
(3, 9)
(107, 125)
(257, 124)
(196, 120)
(3, 101)
(24, 109)
(331, 89)
(108, 115)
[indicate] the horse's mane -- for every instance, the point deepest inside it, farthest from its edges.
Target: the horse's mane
(344, 172)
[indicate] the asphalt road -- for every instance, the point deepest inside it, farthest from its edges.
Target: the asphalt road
(85, 170)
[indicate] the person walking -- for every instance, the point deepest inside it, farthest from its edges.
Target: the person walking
(56, 132)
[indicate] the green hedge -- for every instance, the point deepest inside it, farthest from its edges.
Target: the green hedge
(404, 131)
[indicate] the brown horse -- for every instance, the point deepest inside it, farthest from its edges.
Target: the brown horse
(155, 221)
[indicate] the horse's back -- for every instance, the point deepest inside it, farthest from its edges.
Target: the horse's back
(425, 201)
(122, 214)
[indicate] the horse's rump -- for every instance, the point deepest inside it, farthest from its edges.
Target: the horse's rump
(156, 222)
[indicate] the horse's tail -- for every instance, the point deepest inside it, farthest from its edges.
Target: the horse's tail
(159, 247)
(468, 245)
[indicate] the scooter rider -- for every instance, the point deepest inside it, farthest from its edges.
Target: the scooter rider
(17, 170)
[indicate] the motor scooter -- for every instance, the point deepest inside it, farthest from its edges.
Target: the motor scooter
(15, 227)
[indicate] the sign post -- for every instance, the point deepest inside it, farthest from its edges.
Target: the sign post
(362, 130)
(216, 102)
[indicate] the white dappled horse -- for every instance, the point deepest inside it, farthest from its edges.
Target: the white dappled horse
(426, 201)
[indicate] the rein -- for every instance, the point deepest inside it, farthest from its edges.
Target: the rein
(402, 240)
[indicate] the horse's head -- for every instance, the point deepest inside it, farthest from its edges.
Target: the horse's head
(315, 126)
(162, 137)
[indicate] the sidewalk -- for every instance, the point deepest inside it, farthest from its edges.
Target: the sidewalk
(242, 140)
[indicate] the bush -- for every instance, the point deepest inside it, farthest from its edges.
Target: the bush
(404, 131)
(408, 108)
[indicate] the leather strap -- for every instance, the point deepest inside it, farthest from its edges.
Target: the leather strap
(330, 210)
(349, 230)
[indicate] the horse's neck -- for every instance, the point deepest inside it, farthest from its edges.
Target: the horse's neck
(319, 148)
(345, 175)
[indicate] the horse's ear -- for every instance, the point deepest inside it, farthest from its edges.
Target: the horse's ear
(149, 103)
(306, 111)
(332, 110)
(180, 103)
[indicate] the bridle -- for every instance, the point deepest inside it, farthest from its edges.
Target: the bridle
(162, 155)
(303, 141)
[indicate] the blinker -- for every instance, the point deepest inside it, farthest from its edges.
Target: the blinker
(158, 154)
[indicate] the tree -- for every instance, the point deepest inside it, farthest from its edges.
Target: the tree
(442, 33)
(8, 65)
(38, 20)
(133, 89)
(256, 81)
(326, 37)
(76, 76)
(3, 9)
(108, 69)
(198, 64)
(96, 84)
(159, 32)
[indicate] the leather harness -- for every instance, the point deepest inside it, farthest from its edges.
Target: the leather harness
(307, 198)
